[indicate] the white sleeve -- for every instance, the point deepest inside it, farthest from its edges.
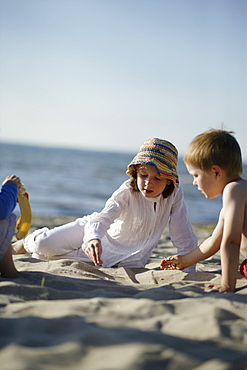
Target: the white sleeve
(98, 225)
(181, 231)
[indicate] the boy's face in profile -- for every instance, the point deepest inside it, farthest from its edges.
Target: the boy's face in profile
(206, 182)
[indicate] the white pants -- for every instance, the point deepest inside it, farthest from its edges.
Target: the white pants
(61, 242)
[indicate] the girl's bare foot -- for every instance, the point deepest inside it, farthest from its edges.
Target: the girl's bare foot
(175, 262)
(18, 247)
(11, 274)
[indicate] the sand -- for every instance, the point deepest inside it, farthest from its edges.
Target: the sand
(66, 314)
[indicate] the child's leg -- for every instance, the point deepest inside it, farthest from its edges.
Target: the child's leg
(243, 247)
(7, 267)
(45, 243)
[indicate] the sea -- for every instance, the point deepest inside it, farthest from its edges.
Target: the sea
(76, 182)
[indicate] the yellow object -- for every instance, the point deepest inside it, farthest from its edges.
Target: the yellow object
(25, 219)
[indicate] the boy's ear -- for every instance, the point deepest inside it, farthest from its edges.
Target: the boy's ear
(217, 171)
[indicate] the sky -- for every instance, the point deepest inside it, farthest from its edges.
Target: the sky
(109, 74)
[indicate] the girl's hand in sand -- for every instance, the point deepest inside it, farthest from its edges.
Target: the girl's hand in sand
(94, 251)
(172, 263)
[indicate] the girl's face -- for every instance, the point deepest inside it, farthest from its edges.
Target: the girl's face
(149, 182)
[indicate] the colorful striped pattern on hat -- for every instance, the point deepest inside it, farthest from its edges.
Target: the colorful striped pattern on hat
(158, 153)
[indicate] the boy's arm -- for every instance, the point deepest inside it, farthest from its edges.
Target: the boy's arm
(205, 250)
(212, 244)
(234, 204)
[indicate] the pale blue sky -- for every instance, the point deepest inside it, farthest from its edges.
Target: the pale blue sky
(108, 74)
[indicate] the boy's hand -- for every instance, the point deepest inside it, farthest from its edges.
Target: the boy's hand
(94, 251)
(219, 288)
(172, 263)
(13, 178)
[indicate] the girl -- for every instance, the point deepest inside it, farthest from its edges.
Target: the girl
(125, 232)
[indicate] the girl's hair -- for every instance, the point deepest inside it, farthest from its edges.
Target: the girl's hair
(133, 183)
(215, 147)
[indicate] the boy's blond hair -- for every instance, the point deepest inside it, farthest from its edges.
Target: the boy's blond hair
(215, 147)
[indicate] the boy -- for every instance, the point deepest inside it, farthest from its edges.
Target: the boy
(8, 199)
(214, 160)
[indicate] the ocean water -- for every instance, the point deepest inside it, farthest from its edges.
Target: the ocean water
(78, 182)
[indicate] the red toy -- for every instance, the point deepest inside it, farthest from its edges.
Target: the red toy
(243, 268)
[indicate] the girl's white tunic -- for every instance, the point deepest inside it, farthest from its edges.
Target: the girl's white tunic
(129, 227)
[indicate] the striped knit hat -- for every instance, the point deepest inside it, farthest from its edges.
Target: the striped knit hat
(160, 154)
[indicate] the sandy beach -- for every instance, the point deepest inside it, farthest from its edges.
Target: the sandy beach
(66, 314)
